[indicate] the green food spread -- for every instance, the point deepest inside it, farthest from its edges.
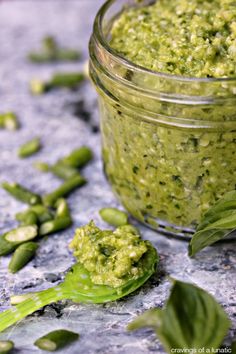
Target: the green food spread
(112, 258)
(183, 37)
(168, 174)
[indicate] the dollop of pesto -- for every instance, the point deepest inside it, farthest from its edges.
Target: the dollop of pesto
(184, 37)
(111, 258)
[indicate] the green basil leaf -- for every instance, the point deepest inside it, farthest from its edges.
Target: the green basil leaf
(207, 221)
(191, 319)
(217, 223)
(204, 238)
(227, 201)
(228, 222)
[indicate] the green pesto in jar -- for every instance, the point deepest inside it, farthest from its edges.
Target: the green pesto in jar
(167, 175)
(112, 258)
(194, 38)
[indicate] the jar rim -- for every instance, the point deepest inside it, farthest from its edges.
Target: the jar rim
(97, 30)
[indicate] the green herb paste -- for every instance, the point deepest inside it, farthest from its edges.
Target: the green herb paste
(166, 175)
(183, 37)
(112, 258)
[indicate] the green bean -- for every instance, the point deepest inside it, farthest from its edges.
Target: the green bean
(67, 55)
(56, 340)
(49, 44)
(69, 80)
(114, 216)
(62, 209)
(22, 234)
(52, 52)
(9, 121)
(42, 166)
(29, 148)
(55, 225)
(22, 255)
(62, 171)
(10, 240)
(37, 87)
(59, 169)
(66, 188)
(78, 157)
(21, 193)
(6, 247)
(6, 346)
(30, 218)
(42, 212)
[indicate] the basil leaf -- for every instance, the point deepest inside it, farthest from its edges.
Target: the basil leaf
(207, 221)
(191, 319)
(204, 238)
(217, 223)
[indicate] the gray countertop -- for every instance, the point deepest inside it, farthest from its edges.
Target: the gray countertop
(58, 118)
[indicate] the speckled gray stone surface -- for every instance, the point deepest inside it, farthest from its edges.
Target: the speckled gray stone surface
(102, 327)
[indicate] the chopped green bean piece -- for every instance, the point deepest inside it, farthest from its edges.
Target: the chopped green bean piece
(37, 87)
(21, 193)
(43, 214)
(6, 247)
(68, 55)
(62, 171)
(29, 218)
(114, 216)
(42, 166)
(9, 121)
(55, 225)
(6, 346)
(70, 80)
(59, 169)
(56, 340)
(29, 148)
(66, 188)
(52, 52)
(49, 44)
(62, 209)
(78, 157)
(22, 234)
(22, 255)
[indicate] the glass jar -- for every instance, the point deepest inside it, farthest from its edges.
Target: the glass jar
(168, 142)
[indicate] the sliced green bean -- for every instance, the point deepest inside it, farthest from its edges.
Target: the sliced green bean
(21, 193)
(22, 234)
(9, 121)
(69, 80)
(78, 157)
(49, 44)
(62, 209)
(37, 87)
(114, 216)
(55, 225)
(6, 247)
(42, 166)
(67, 55)
(42, 212)
(59, 169)
(30, 218)
(65, 189)
(22, 255)
(56, 340)
(63, 171)
(6, 346)
(29, 148)
(52, 52)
